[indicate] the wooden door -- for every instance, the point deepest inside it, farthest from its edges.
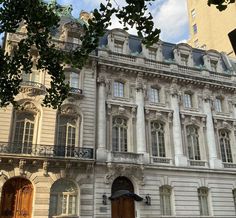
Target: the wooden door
(123, 207)
(17, 196)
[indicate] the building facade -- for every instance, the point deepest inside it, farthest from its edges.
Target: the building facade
(145, 132)
(209, 27)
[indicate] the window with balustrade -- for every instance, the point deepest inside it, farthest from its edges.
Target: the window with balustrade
(165, 200)
(119, 134)
(118, 46)
(119, 89)
(154, 95)
(193, 143)
(67, 135)
(157, 139)
(203, 201)
(64, 199)
(23, 132)
(225, 148)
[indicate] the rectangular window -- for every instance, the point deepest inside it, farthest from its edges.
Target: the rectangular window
(165, 200)
(154, 95)
(218, 105)
(203, 201)
(184, 59)
(214, 66)
(152, 54)
(74, 80)
(118, 89)
(118, 46)
(187, 100)
(193, 13)
(195, 28)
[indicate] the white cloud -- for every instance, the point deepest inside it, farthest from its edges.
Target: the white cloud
(171, 17)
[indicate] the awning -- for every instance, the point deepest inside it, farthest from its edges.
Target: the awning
(125, 193)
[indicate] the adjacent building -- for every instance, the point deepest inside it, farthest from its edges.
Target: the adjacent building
(209, 27)
(145, 132)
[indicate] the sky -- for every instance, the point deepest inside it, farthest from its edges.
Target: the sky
(168, 15)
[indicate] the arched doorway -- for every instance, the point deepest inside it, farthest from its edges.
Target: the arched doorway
(16, 200)
(122, 205)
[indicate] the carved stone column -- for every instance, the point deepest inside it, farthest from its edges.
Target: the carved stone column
(180, 158)
(101, 137)
(214, 162)
(140, 119)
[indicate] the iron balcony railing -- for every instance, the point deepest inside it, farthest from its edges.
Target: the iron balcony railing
(54, 151)
(34, 85)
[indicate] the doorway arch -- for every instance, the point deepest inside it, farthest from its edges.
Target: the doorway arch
(17, 197)
(122, 206)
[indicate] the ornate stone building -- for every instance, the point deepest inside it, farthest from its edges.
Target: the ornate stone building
(145, 132)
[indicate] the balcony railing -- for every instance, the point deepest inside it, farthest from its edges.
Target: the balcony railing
(229, 165)
(76, 91)
(161, 160)
(54, 151)
(33, 85)
(198, 163)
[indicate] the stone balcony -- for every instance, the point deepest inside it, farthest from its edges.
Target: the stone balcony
(161, 160)
(197, 163)
(45, 151)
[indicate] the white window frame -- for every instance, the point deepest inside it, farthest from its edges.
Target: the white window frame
(154, 95)
(203, 195)
(119, 89)
(74, 80)
(165, 200)
(119, 46)
(188, 101)
(158, 139)
(218, 105)
(193, 143)
(120, 140)
(225, 146)
(62, 203)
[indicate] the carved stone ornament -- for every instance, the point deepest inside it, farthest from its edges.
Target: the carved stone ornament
(139, 83)
(101, 80)
(69, 110)
(129, 171)
(226, 125)
(45, 168)
(21, 166)
(30, 107)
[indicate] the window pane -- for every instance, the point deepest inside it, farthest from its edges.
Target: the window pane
(165, 200)
(193, 144)
(154, 95)
(225, 147)
(158, 141)
(118, 89)
(187, 100)
(218, 105)
(74, 80)
(203, 201)
(195, 28)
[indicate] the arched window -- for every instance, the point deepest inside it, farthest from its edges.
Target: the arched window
(63, 199)
(23, 132)
(193, 143)
(157, 138)
(165, 198)
(68, 135)
(225, 148)
(119, 134)
(203, 201)
(119, 89)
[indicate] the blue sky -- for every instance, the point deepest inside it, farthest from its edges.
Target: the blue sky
(169, 15)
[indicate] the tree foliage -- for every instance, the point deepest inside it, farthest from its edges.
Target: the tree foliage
(40, 18)
(220, 4)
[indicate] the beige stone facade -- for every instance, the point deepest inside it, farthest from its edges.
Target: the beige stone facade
(209, 28)
(158, 123)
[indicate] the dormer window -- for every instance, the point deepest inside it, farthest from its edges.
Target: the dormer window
(184, 59)
(152, 54)
(187, 100)
(118, 89)
(154, 95)
(118, 46)
(214, 65)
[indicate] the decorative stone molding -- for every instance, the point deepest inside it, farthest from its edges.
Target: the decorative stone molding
(22, 163)
(45, 168)
(116, 170)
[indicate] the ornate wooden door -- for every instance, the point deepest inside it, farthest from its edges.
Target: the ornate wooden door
(123, 207)
(17, 196)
